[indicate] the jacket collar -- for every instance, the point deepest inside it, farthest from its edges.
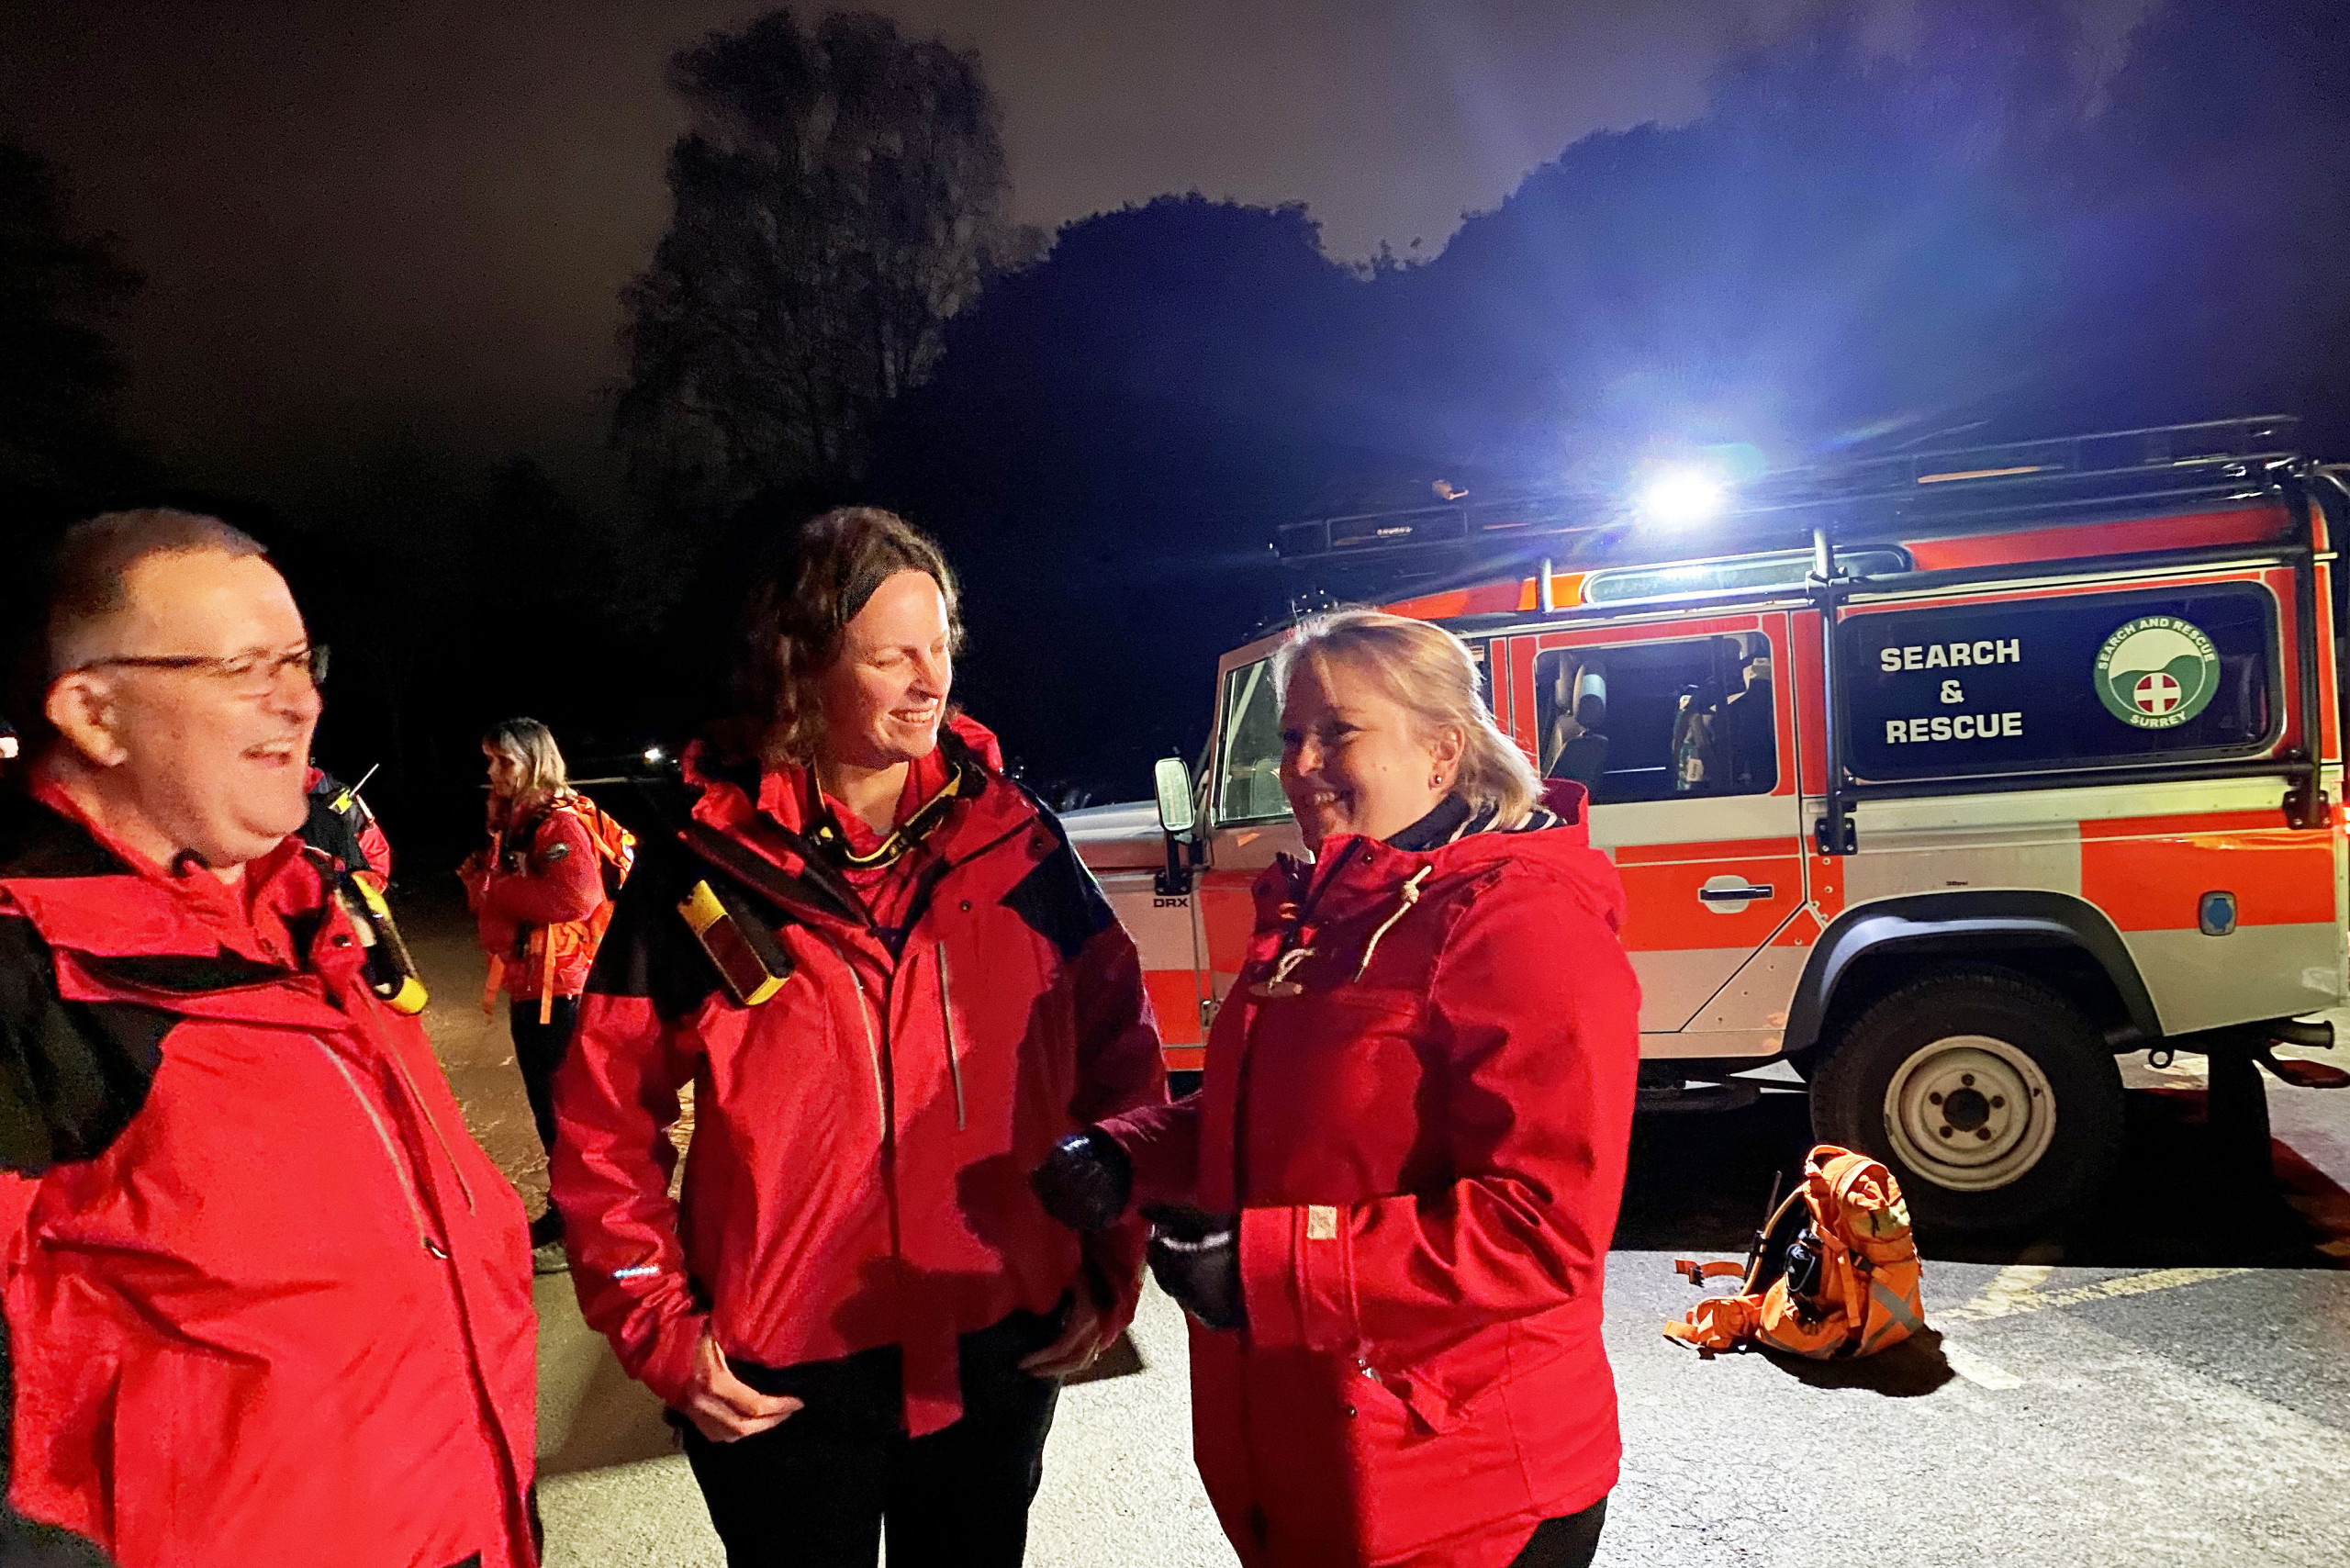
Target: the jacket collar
(739, 800)
(1351, 869)
(765, 811)
(187, 941)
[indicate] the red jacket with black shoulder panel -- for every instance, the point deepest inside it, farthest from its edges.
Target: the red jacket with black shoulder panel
(266, 1301)
(862, 1139)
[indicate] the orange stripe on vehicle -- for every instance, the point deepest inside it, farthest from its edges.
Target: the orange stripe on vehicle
(1521, 676)
(1713, 849)
(1485, 598)
(2191, 822)
(1184, 1058)
(1175, 999)
(1625, 636)
(2240, 525)
(2278, 877)
(1665, 914)
(1228, 914)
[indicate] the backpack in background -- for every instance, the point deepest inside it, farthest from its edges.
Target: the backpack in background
(1845, 1285)
(615, 853)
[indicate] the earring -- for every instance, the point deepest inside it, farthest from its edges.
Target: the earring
(1436, 780)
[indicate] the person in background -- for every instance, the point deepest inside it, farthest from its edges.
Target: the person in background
(341, 824)
(1696, 762)
(1750, 734)
(536, 891)
(1389, 1207)
(892, 985)
(265, 1300)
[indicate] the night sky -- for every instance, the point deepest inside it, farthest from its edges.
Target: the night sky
(357, 217)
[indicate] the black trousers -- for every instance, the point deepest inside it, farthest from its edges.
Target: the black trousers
(538, 1051)
(1567, 1541)
(816, 1491)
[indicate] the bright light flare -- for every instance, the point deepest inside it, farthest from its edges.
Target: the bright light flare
(1682, 498)
(654, 753)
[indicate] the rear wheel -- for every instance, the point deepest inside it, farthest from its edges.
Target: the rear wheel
(1991, 1097)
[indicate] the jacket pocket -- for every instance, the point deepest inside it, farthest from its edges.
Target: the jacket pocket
(1412, 1484)
(175, 1445)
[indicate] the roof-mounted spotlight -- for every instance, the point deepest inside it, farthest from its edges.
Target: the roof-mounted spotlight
(1682, 498)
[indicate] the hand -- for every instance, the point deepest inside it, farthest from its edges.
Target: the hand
(1081, 1341)
(1195, 1258)
(1085, 1182)
(724, 1408)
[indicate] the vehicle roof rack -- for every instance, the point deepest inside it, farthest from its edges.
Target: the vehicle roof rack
(1951, 488)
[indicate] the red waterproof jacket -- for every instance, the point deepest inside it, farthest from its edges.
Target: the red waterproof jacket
(544, 881)
(267, 1302)
(863, 1138)
(1425, 1146)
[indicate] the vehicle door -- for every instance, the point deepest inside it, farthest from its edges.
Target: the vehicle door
(1245, 816)
(1683, 733)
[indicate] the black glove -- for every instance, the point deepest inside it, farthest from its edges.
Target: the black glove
(1195, 1258)
(1085, 1182)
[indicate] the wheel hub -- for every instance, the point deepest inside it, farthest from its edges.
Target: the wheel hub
(1970, 1111)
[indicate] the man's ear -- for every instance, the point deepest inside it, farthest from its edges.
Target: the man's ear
(81, 705)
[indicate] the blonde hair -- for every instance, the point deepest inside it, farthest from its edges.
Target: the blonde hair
(531, 743)
(1430, 672)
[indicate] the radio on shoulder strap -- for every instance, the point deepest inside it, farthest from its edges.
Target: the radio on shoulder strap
(750, 960)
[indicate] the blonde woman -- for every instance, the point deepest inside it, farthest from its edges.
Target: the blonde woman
(1390, 1231)
(535, 889)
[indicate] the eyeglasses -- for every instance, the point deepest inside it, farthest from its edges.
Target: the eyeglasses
(247, 675)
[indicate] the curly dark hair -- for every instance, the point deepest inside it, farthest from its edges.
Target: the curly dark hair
(794, 618)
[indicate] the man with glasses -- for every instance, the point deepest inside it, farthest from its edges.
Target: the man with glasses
(265, 1300)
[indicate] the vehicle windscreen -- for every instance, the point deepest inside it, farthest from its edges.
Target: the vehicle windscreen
(1249, 750)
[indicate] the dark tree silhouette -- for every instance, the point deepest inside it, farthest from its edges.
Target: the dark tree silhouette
(1107, 434)
(1850, 248)
(1847, 240)
(60, 448)
(840, 196)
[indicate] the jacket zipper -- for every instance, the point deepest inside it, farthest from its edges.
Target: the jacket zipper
(865, 1021)
(391, 1151)
(456, 1168)
(946, 1020)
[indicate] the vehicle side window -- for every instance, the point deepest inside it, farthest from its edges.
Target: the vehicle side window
(1659, 720)
(1249, 759)
(2051, 683)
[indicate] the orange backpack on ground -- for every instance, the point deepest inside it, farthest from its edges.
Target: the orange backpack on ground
(1846, 1285)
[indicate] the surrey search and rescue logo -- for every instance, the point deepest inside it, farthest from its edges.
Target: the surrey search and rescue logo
(2157, 672)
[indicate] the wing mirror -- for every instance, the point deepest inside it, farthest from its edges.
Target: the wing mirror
(1173, 782)
(1179, 820)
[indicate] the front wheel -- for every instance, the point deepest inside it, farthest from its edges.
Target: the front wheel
(1993, 1100)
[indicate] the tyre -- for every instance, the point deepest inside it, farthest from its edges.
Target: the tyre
(1992, 1098)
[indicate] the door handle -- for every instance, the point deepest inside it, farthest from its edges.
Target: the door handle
(1736, 895)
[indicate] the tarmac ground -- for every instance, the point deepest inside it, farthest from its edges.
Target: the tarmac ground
(2166, 1379)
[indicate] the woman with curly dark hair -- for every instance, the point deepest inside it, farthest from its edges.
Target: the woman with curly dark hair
(893, 987)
